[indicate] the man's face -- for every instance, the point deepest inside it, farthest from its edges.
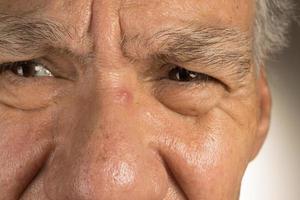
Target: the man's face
(128, 99)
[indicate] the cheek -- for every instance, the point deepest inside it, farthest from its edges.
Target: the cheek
(25, 143)
(228, 144)
(209, 159)
(22, 130)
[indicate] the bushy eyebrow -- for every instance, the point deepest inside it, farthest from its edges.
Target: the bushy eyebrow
(208, 46)
(21, 36)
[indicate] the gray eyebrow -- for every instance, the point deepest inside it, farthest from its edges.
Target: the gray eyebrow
(208, 46)
(21, 36)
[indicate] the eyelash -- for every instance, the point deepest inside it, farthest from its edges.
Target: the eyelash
(26, 68)
(175, 73)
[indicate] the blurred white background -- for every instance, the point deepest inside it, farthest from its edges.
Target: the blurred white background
(275, 174)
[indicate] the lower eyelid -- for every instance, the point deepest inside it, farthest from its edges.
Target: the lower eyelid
(166, 83)
(12, 78)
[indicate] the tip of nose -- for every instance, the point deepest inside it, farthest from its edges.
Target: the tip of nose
(114, 180)
(123, 175)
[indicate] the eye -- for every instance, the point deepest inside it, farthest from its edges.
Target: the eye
(183, 75)
(27, 69)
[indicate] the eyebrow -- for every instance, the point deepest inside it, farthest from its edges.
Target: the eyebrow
(212, 47)
(207, 45)
(22, 36)
(28, 37)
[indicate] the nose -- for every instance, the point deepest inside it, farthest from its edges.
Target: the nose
(110, 162)
(104, 149)
(104, 154)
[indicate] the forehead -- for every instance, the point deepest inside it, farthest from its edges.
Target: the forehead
(230, 12)
(148, 17)
(215, 11)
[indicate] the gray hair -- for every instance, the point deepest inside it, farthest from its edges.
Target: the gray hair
(273, 17)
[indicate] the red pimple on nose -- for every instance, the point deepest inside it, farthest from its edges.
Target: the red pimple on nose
(124, 96)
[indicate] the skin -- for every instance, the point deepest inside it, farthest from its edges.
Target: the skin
(107, 132)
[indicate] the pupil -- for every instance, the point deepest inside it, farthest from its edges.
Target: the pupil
(181, 74)
(25, 69)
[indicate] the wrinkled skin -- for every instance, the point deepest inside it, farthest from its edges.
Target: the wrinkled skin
(109, 134)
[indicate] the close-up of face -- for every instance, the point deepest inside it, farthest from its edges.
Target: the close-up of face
(129, 99)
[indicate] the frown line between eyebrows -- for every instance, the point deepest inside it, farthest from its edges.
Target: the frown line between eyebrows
(208, 46)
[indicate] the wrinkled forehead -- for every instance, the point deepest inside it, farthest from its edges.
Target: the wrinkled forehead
(229, 12)
(213, 12)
